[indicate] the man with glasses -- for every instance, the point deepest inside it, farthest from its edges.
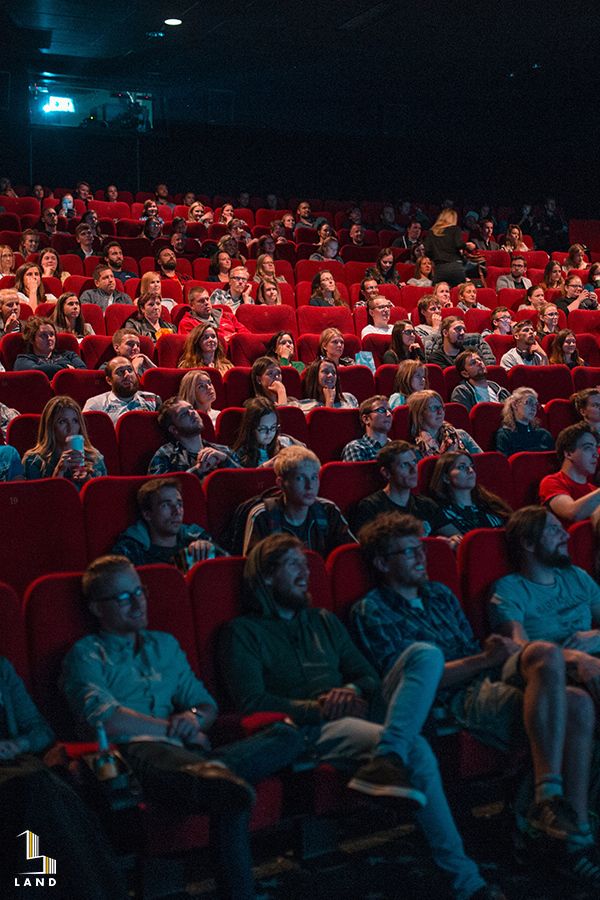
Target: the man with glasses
(284, 653)
(516, 280)
(475, 387)
(159, 534)
(570, 493)
(202, 311)
(139, 685)
(124, 394)
(527, 351)
(509, 694)
(239, 290)
(380, 309)
(376, 418)
(185, 450)
(48, 223)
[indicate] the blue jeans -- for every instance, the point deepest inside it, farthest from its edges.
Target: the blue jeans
(166, 774)
(409, 690)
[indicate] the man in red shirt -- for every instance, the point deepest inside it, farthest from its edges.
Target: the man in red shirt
(202, 311)
(569, 493)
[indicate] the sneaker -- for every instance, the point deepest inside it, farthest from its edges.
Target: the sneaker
(554, 818)
(386, 776)
(581, 867)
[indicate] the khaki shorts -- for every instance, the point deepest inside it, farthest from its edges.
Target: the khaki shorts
(493, 710)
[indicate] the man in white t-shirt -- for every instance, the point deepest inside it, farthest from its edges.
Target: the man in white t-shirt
(124, 394)
(380, 309)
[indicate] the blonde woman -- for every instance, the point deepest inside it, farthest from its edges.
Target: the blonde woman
(430, 432)
(444, 245)
(53, 456)
(520, 425)
(197, 389)
(265, 269)
(7, 260)
(513, 240)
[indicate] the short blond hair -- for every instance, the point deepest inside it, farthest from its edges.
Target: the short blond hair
(291, 457)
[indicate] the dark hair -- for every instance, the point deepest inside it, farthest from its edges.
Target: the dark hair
(525, 524)
(448, 322)
(391, 450)
(110, 244)
(375, 537)
(245, 444)
(580, 398)
(150, 488)
(556, 352)
(312, 388)
(365, 407)
(439, 486)
(268, 553)
(164, 419)
(259, 367)
(271, 348)
(20, 280)
(568, 438)
(461, 360)
(58, 315)
(213, 268)
(191, 356)
(317, 291)
(100, 268)
(101, 568)
(397, 345)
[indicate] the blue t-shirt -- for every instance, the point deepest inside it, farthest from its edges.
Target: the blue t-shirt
(10, 463)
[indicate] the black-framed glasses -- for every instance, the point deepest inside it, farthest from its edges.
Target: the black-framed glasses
(125, 598)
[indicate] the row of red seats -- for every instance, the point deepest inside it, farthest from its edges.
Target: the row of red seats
(106, 506)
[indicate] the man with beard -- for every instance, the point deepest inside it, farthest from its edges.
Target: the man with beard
(185, 451)
(285, 655)
(159, 535)
(444, 348)
(105, 292)
(113, 257)
(475, 387)
(527, 351)
(165, 264)
(510, 692)
(124, 394)
(570, 493)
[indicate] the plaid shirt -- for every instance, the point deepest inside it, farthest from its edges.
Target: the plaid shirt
(361, 450)
(173, 457)
(387, 624)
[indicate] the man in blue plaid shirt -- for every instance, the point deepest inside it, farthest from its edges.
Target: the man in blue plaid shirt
(504, 693)
(376, 417)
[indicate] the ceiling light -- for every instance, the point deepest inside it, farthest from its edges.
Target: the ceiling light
(173, 22)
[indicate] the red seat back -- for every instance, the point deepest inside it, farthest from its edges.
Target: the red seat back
(138, 438)
(560, 413)
(13, 644)
(348, 482)
(28, 392)
(527, 470)
(225, 489)
(267, 319)
(169, 350)
(549, 381)
(116, 315)
(476, 580)
(485, 419)
(331, 429)
(357, 380)
(582, 546)
(80, 384)
(314, 319)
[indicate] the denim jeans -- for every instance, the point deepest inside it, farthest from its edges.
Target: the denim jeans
(166, 774)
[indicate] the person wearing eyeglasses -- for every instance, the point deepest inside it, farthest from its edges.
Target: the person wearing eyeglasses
(517, 279)
(159, 534)
(511, 694)
(259, 439)
(379, 309)
(139, 684)
(237, 292)
(521, 429)
(376, 418)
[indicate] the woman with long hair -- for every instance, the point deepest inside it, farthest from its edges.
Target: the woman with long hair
(553, 276)
(411, 377)
(39, 335)
(513, 240)
(547, 320)
(202, 348)
(282, 349)
(148, 321)
(324, 290)
(520, 425)
(467, 505)
(322, 388)
(266, 381)
(268, 294)
(535, 297)
(404, 344)
(150, 211)
(575, 296)
(441, 292)
(51, 266)
(28, 284)
(227, 214)
(424, 272)
(429, 430)
(195, 211)
(265, 269)
(259, 439)
(384, 270)
(197, 389)
(444, 245)
(10, 312)
(220, 267)
(331, 346)
(68, 318)
(575, 258)
(564, 349)
(53, 455)
(7, 260)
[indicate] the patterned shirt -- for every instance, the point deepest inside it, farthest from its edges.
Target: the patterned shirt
(10, 463)
(115, 406)
(173, 457)
(222, 296)
(104, 671)
(362, 449)
(387, 624)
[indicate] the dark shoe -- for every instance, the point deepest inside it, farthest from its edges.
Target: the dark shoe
(581, 867)
(488, 892)
(386, 776)
(554, 818)
(222, 789)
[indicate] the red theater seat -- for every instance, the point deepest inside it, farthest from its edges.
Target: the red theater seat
(28, 392)
(331, 429)
(138, 438)
(80, 384)
(549, 381)
(357, 380)
(13, 644)
(97, 349)
(485, 419)
(582, 546)
(348, 482)
(225, 489)
(560, 413)
(267, 319)
(476, 580)
(527, 470)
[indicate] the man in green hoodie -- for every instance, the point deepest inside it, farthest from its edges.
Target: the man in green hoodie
(287, 656)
